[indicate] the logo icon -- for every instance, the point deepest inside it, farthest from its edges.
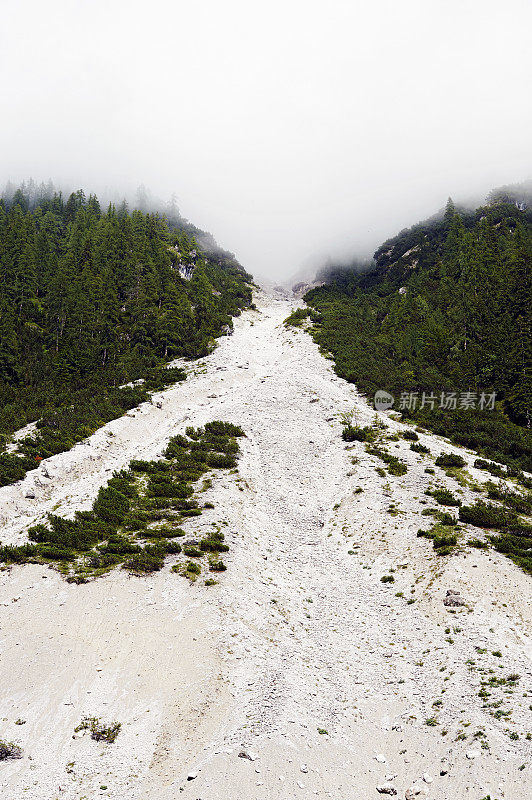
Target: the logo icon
(383, 400)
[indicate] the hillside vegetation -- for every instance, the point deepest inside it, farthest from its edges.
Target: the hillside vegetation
(444, 308)
(91, 300)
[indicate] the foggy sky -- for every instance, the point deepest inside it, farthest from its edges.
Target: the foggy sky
(291, 130)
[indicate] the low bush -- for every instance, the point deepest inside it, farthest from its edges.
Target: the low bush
(419, 448)
(98, 731)
(444, 497)
(450, 460)
(490, 466)
(219, 428)
(111, 505)
(9, 750)
(395, 465)
(354, 433)
(486, 515)
(217, 566)
(297, 317)
(444, 538)
(192, 551)
(522, 503)
(143, 563)
(478, 543)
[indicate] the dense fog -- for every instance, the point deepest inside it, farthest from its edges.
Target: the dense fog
(296, 132)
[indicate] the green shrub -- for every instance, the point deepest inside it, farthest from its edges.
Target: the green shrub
(21, 554)
(490, 466)
(191, 551)
(118, 545)
(99, 732)
(450, 460)
(9, 750)
(444, 517)
(486, 515)
(419, 448)
(111, 505)
(522, 503)
(394, 464)
(354, 433)
(443, 537)
(411, 435)
(219, 428)
(217, 566)
(297, 317)
(220, 461)
(444, 497)
(144, 562)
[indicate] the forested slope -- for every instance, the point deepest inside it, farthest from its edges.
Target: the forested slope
(444, 308)
(91, 300)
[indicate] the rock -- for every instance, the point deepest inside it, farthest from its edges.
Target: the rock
(415, 791)
(47, 472)
(245, 754)
(380, 758)
(386, 788)
(304, 768)
(453, 600)
(471, 754)
(159, 404)
(191, 776)
(30, 494)
(427, 778)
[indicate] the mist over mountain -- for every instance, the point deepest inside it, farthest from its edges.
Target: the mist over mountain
(288, 131)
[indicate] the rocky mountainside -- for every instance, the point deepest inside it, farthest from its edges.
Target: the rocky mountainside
(340, 654)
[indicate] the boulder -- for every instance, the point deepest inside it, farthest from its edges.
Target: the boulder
(453, 599)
